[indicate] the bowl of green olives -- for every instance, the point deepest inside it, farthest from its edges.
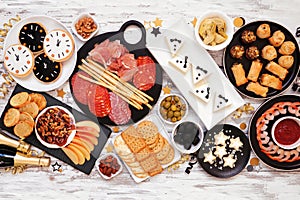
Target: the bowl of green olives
(173, 108)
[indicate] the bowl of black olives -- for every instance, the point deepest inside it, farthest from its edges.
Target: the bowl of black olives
(187, 137)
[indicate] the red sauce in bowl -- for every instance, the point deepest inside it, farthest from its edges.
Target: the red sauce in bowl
(287, 132)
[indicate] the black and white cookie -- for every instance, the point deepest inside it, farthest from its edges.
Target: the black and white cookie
(174, 44)
(59, 45)
(45, 69)
(18, 60)
(181, 63)
(32, 35)
(204, 92)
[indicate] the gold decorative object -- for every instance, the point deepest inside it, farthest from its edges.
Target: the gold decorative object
(147, 24)
(157, 22)
(166, 90)
(194, 21)
(7, 26)
(60, 93)
(246, 108)
(109, 148)
(184, 158)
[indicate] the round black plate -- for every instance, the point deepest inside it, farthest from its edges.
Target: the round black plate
(243, 155)
(260, 43)
(138, 49)
(252, 132)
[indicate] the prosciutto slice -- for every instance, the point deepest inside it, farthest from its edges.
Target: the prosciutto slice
(120, 112)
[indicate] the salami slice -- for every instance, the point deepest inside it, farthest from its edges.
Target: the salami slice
(98, 100)
(80, 87)
(144, 79)
(120, 112)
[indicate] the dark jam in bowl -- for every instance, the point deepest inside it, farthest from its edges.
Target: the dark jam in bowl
(54, 126)
(287, 132)
(187, 134)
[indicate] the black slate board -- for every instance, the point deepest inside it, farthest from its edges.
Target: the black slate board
(58, 153)
(138, 49)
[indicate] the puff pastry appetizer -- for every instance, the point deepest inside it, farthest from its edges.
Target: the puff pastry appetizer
(239, 74)
(286, 61)
(269, 52)
(277, 38)
(263, 31)
(287, 48)
(271, 81)
(255, 69)
(277, 70)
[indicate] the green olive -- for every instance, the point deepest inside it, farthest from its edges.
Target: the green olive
(168, 98)
(182, 112)
(163, 112)
(178, 118)
(170, 114)
(176, 114)
(173, 119)
(176, 98)
(173, 108)
(167, 105)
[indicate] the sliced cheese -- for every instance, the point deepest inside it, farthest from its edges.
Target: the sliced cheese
(174, 44)
(221, 101)
(199, 73)
(181, 63)
(203, 92)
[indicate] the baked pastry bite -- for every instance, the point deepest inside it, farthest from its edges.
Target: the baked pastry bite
(269, 52)
(248, 37)
(237, 51)
(263, 31)
(277, 70)
(258, 89)
(255, 69)
(277, 38)
(286, 61)
(239, 74)
(287, 48)
(271, 81)
(252, 52)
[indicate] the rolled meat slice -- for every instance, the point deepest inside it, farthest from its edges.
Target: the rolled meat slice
(120, 112)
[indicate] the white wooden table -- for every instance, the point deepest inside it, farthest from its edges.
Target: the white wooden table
(261, 183)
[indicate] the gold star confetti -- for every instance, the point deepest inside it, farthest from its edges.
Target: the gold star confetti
(115, 129)
(183, 159)
(109, 148)
(61, 93)
(194, 21)
(147, 24)
(166, 90)
(157, 22)
(247, 108)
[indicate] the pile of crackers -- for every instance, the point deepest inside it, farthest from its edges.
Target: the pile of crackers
(144, 149)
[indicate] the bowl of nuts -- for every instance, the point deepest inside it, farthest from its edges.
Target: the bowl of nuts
(85, 27)
(109, 165)
(173, 108)
(55, 127)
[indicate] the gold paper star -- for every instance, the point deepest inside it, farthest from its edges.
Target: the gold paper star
(194, 21)
(166, 90)
(147, 24)
(61, 93)
(158, 22)
(109, 148)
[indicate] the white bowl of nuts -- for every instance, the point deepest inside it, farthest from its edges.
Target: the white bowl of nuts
(85, 27)
(55, 127)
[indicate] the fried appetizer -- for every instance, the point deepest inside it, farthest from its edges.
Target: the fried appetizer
(277, 70)
(255, 69)
(263, 31)
(248, 37)
(269, 52)
(286, 61)
(239, 74)
(257, 89)
(277, 38)
(271, 81)
(252, 52)
(287, 48)
(237, 51)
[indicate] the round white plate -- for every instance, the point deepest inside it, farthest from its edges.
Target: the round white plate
(31, 82)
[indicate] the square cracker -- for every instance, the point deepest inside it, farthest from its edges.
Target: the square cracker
(150, 163)
(131, 137)
(143, 154)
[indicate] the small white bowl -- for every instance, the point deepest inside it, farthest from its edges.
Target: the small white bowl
(71, 136)
(183, 101)
(291, 146)
(77, 34)
(103, 157)
(229, 30)
(193, 148)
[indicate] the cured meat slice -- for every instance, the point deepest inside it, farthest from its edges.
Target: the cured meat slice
(98, 100)
(144, 79)
(120, 111)
(80, 87)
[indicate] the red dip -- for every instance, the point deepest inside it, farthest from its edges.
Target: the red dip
(287, 132)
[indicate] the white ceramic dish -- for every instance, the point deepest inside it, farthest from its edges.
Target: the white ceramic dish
(229, 30)
(183, 103)
(291, 146)
(103, 157)
(76, 33)
(71, 136)
(31, 82)
(193, 148)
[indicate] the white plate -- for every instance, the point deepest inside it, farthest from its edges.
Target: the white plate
(31, 82)
(165, 134)
(198, 56)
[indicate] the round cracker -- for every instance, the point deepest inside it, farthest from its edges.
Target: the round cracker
(168, 158)
(11, 117)
(164, 151)
(25, 116)
(39, 99)
(23, 129)
(19, 99)
(31, 108)
(159, 145)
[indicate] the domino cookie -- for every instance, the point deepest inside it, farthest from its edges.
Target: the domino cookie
(45, 69)
(32, 35)
(174, 44)
(18, 60)
(59, 45)
(181, 63)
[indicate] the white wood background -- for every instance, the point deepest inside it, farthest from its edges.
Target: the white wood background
(265, 183)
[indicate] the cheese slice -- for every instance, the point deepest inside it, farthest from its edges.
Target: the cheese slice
(199, 73)
(174, 44)
(221, 101)
(204, 92)
(181, 63)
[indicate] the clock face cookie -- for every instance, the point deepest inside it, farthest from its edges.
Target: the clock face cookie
(18, 60)
(32, 35)
(45, 69)
(58, 45)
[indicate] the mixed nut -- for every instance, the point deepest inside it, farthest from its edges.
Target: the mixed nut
(109, 166)
(85, 26)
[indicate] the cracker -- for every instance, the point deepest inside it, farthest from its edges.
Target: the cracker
(149, 163)
(148, 131)
(39, 99)
(133, 140)
(143, 154)
(31, 108)
(159, 145)
(137, 169)
(133, 164)
(164, 151)
(168, 158)
(11, 117)
(19, 99)
(23, 129)
(24, 116)
(141, 175)
(158, 169)
(121, 148)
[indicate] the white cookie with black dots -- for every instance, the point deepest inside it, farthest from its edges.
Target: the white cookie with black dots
(221, 101)
(199, 73)
(181, 63)
(18, 60)
(59, 45)
(204, 92)
(174, 44)
(45, 69)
